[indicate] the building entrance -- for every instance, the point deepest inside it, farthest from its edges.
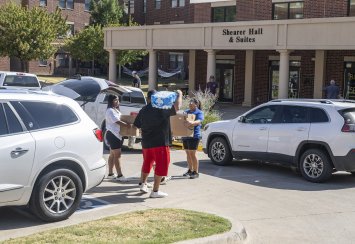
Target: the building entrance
(294, 79)
(349, 81)
(225, 79)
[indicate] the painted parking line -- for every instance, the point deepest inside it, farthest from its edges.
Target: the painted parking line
(89, 203)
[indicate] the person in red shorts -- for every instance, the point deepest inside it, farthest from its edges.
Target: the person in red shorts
(156, 136)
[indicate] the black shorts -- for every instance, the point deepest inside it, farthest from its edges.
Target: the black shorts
(190, 143)
(113, 141)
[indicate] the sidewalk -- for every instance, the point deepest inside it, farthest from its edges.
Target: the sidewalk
(230, 111)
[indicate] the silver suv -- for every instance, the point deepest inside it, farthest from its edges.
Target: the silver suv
(315, 136)
(50, 153)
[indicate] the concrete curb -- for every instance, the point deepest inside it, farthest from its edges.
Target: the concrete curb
(233, 236)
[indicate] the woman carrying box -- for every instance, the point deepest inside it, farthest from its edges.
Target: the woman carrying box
(114, 139)
(191, 143)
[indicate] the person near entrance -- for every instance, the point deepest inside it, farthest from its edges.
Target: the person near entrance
(136, 80)
(332, 91)
(212, 85)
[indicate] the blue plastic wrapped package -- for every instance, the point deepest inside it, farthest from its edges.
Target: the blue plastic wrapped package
(163, 99)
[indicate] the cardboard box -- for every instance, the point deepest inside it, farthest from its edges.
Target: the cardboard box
(125, 131)
(178, 127)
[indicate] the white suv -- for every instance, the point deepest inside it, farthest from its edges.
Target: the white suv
(315, 136)
(50, 153)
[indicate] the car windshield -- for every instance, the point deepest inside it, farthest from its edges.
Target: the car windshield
(88, 89)
(21, 80)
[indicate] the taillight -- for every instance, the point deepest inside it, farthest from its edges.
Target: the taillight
(348, 128)
(98, 134)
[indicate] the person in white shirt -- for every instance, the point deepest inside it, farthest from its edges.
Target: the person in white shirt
(113, 137)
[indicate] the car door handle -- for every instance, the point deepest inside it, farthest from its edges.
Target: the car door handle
(263, 128)
(18, 152)
(301, 129)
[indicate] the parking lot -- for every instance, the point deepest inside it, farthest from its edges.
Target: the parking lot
(271, 202)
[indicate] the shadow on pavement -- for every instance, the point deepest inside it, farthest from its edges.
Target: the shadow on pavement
(271, 176)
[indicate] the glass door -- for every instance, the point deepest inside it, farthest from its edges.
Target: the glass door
(225, 78)
(349, 81)
(294, 79)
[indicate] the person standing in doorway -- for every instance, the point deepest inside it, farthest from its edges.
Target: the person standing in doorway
(191, 143)
(155, 126)
(136, 80)
(114, 139)
(212, 85)
(332, 91)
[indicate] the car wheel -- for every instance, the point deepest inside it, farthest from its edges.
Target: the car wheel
(219, 151)
(56, 195)
(315, 165)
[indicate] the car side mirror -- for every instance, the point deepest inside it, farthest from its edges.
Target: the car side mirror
(241, 119)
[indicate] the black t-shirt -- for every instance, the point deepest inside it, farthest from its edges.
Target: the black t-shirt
(155, 125)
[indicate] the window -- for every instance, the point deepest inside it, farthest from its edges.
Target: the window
(157, 4)
(177, 3)
(351, 8)
(47, 114)
(43, 62)
(176, 60)
(70, 31)
(87, 88)
(3, 125)
(42, 3)
(144, 6)
(13, 124)
(62, 60)
(318, 115)
(224, 14)
(68, 4)
(294, 114)
(264, 115)
(291, 10)
(87, 5)
(21, 80)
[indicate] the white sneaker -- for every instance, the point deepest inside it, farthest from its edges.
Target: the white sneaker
(158, 194)
(164, 180)
(121, 179)
(111, 176)
(144, 188)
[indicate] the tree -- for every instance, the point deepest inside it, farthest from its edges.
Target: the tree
(28, 34)
(104, 13)
(91, 39)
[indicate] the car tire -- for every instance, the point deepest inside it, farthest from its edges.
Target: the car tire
(315, 166)
(219, 151)
(56, 195)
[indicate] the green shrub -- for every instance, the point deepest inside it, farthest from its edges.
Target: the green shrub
(210, 117)
(207, 100)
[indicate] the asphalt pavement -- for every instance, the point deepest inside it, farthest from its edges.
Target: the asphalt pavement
(265, 203)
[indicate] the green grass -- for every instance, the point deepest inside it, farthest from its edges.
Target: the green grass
(149, 226)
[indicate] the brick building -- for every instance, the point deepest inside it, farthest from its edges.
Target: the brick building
(78, 15)
(258, 50)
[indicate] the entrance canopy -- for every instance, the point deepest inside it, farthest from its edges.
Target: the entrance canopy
(305, 34)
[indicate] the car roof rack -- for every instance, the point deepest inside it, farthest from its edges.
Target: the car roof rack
(326, 101)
